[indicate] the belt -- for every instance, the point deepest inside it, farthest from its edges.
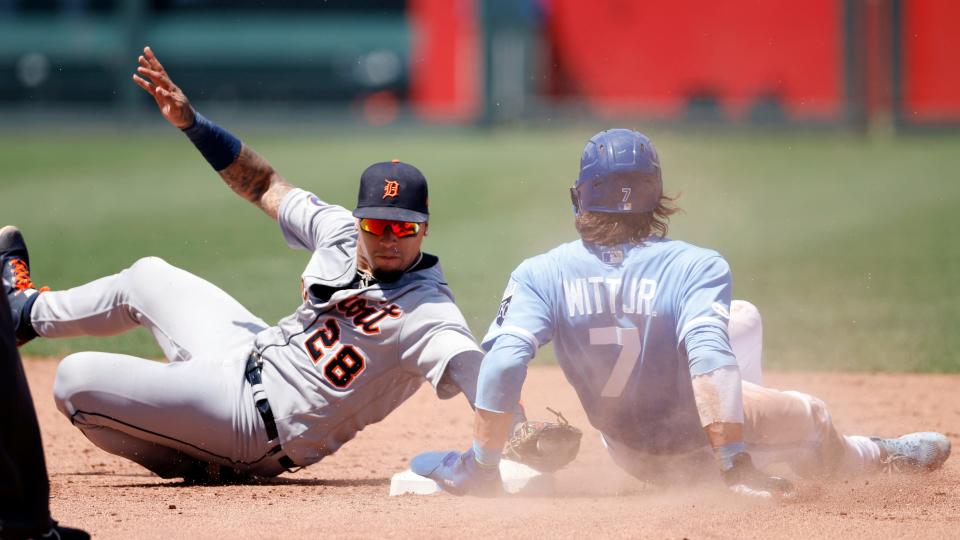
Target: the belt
(252, 373)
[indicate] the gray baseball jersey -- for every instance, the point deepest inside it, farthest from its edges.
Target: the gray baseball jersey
(340, 363)
(350, 354)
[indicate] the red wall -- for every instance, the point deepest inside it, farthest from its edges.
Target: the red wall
(445, 61)
(931, 60)
(647, 57)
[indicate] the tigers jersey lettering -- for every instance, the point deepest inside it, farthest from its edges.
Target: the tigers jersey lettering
(343, 362)
(366, 317)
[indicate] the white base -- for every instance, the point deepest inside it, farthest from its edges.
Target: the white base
(517, 479)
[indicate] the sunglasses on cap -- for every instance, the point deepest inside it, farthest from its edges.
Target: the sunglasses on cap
(401, 229)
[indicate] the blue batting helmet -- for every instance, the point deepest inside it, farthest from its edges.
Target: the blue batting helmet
(619, 174)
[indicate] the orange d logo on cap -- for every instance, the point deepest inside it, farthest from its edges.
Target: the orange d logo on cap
(391, 188)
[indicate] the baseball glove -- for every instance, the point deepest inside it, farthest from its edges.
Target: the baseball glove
(545, 446)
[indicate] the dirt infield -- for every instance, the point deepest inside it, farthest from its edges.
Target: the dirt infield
(346, 495)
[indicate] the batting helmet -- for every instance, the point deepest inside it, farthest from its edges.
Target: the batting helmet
(619, 174)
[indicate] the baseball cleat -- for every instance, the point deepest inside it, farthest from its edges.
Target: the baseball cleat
(915, 452)
(458, 473)
(17, 285)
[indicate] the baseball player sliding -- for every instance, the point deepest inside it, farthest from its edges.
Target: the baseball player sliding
(640, 328)
(239, 397)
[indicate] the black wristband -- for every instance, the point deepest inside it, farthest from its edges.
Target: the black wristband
(217, 145)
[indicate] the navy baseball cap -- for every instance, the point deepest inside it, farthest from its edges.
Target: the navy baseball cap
(393, 190)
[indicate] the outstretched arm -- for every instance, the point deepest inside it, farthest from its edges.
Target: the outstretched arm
(246, 172)
(252, 177)
(501, 379)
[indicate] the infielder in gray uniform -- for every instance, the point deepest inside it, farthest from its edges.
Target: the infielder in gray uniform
(238, 395)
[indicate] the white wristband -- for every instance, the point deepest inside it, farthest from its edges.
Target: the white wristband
(719, 396)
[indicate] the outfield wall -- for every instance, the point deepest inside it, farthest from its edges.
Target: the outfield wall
(928, 38)
(833, 62)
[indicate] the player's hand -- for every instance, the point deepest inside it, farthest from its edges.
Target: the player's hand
(458, 473)
(745, 479)
(173, 103)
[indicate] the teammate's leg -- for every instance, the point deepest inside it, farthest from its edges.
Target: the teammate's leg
(166, 417)
(187, 315)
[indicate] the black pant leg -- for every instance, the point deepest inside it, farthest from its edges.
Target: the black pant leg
(24, 487)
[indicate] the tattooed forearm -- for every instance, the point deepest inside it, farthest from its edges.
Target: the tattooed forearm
(254, 179)
(270, 202)
(249, 175)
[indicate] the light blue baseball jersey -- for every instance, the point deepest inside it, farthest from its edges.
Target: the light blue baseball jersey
(621, 320)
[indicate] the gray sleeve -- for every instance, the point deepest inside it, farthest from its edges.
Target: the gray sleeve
(432, 335)
(461, 375)
(306, 221)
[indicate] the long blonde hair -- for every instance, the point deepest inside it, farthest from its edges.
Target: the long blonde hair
(608, 229)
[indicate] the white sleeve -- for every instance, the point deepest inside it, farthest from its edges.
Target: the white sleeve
(306, 221)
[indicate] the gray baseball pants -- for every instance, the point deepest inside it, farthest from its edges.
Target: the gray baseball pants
(170, 417)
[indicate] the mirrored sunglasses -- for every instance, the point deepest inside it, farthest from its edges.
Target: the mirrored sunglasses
(401, 229)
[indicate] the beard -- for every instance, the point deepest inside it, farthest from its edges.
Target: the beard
(387, 276)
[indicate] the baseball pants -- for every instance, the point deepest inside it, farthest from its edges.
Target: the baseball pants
(790, 428)
(195, 409)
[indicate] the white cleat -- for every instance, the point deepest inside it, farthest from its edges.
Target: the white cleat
(913, 453)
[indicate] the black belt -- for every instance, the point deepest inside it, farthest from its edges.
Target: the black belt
(252, 373)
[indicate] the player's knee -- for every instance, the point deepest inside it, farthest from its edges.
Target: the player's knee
(746, 339)
(142, 278)
(73, 377)
(744, 314)
(148, 266)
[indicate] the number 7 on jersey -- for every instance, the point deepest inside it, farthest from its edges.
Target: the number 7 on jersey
(629, 341)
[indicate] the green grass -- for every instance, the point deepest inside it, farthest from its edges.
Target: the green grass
(850, 246)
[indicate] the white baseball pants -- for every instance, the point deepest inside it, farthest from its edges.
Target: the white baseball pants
(790, 428)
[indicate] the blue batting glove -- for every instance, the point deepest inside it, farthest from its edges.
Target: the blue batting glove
(458, 473)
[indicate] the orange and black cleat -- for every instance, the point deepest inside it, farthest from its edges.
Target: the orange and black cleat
(17, 285)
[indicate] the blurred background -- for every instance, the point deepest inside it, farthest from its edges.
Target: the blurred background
(836, 62)
(813, 143)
